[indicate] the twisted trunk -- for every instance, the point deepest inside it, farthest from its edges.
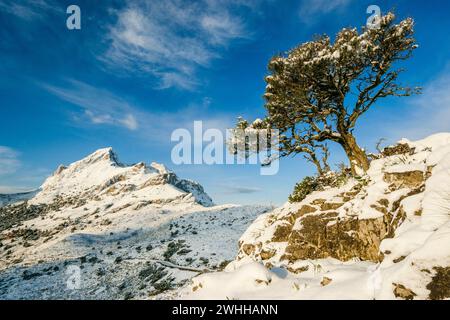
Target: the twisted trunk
(359, 162)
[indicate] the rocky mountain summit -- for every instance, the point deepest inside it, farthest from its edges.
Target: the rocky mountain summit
(384, 235)
(101, 175)
(122, 231)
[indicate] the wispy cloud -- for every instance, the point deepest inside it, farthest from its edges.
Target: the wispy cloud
(429, 113)
(28, 9)
(16, 175)
(171, 39)
(9, 162)
(99, 106)
(311, 10)
(231, 189)
(102, 107)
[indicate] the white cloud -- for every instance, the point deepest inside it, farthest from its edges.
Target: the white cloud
(99, 106)
(14, 180)
(431, 111)
(102, 107)
(222, 27)
(310, 10)
(28, 178)
(130, 122)
(229, 189)
(9, 162)
(171, 39)
(175, 79)
(28, 10)
(436, 94)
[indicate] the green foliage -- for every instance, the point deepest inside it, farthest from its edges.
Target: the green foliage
(152, 273)
(319, 183)
(172, 248)
(303, 188)
(308, 88)
(164, 285)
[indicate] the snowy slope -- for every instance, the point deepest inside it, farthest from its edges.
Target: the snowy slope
(153, 251)
(385, 236)
(128, 231)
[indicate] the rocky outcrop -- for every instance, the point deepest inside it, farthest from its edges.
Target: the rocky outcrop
(343, 223)
(317, 231)
(408, 179)
(326, 235)
(401, 148)
(400, 291)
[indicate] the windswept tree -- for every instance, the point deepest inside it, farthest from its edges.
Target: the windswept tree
(319, 90)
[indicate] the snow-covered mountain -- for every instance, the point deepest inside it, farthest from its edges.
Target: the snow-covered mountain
(100, 176)
(126, 231)
(384, 236)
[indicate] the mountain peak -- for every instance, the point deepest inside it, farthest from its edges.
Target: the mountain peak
(104, 154)
(100, 175)
(161, 168)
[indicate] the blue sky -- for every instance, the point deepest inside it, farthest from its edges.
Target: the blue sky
(139, 69)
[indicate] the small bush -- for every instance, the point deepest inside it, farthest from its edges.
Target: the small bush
(152, 273)
(319, 183)
(163, 285)
(303, 188)
(173, 248)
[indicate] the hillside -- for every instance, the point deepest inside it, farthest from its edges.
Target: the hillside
(99, 229)
(385, 235)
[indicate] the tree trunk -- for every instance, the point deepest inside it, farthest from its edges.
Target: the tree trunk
(359, 162)
(319, 167)
(313, 159)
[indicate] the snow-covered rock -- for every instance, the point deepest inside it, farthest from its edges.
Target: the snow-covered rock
(383, 237)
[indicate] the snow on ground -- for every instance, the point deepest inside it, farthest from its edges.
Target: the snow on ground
(178, 243)
(99, 229)
(254, 281)
(412, 189)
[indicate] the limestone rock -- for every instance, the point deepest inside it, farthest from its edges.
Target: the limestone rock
(409, 179)
(400, 291)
